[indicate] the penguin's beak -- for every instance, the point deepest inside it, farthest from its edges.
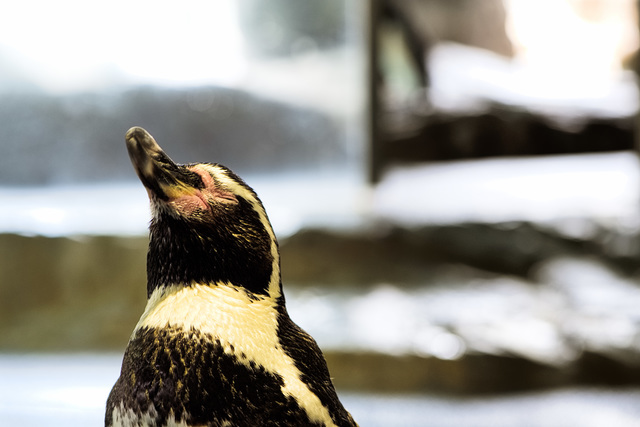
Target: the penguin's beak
(159, 174)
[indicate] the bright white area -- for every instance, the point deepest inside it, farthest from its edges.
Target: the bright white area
(121, 209)
(569, 55)
(467, 79)
(71, 45)
(604, 188)
(74, 46)
(88, 43)
(573, 41)
(568, 61)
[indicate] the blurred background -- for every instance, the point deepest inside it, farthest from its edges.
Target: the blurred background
(455, 186)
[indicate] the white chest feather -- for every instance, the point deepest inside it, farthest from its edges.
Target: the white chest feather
(242, 325)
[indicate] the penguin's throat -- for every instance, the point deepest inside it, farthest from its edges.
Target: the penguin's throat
(176, 261)
(222, 310)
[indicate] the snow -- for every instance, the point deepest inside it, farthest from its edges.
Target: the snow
(467, 78)
(603, 187)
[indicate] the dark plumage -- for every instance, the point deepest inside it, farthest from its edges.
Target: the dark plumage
(215, 345)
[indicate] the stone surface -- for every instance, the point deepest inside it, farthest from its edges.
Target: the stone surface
(64, 294)
(462, 309)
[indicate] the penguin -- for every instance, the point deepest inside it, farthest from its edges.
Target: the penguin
(215, 345)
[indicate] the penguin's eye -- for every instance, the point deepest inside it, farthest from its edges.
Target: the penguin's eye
(210, 188)
(193, 179)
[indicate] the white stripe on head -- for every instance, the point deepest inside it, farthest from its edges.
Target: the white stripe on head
(220, 176)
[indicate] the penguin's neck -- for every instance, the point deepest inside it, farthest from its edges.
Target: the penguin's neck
(223, 312)
(249, 330)
(180, 255)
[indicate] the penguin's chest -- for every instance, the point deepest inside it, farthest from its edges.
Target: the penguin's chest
(189, 377)
(242, 325)
(210, 355)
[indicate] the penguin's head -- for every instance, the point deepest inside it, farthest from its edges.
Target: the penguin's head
(207, 228)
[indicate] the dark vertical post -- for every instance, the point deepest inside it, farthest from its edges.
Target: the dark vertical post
(373, 100)
(636, 69)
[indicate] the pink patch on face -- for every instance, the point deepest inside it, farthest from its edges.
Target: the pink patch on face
(211, 191)
(190, 204)
(199, 202)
